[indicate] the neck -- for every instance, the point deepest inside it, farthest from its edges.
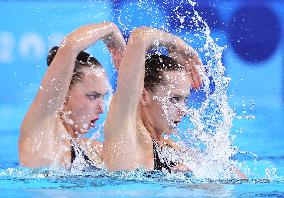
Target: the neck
(67, 126)
(154, 133)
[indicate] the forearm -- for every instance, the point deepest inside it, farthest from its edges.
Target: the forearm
(153, 38)
(184, 54)
(56, 81)
(88, 35)
(115, 39)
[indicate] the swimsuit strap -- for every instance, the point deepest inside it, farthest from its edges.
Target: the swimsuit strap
(75, 150)
(73, 153)
(158, 163)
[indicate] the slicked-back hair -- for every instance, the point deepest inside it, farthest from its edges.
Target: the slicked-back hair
(83, 60)
(155, 66)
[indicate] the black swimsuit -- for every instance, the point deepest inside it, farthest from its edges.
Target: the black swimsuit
(158, 163)
(75, 150)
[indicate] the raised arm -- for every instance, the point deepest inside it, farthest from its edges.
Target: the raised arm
(116, 45)
(120, 146)
(56, 82)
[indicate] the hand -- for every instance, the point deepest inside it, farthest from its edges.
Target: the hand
(116, 45)
(116, 53)
(151, 38)
(186, 55)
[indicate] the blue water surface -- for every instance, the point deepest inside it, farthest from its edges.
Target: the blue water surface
(267, 154)
(254, 59)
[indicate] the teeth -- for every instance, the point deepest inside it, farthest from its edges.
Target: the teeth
(70, 121)
(85, 126)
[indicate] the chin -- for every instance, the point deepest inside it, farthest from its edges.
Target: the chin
(83, 131)
(172, 128)
(168, 130)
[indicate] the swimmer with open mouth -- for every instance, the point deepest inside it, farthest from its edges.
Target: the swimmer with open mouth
(69, 101)
(155, 87)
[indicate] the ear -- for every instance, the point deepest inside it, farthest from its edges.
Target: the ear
(146, 98)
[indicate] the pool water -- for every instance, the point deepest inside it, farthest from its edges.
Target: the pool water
(27, 183)
(257, 132)
(265, 174)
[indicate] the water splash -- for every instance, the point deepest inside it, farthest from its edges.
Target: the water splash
(209, 124)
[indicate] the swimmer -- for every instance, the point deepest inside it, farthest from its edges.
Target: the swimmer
(149, 101)
(69, 101)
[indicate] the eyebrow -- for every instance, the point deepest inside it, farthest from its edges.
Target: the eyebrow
(97, 93)
(179, 95)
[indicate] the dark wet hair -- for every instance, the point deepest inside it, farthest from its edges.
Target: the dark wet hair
(155, 66)
(83, 60)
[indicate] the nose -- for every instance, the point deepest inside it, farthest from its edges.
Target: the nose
(182, 111)
(100, 106)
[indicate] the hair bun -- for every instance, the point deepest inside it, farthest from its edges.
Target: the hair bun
(51, 54)
(83, 57)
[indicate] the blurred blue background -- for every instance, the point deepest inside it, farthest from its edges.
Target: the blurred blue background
(254, 57)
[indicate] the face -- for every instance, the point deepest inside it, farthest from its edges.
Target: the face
(167, 104)
(85, 100)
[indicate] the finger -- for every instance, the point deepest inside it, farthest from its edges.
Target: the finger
(192, 72)
(199, 64)
(194, 75)
(196, 72)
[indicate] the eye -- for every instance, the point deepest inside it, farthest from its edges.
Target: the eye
(92, 96)
(175, 99)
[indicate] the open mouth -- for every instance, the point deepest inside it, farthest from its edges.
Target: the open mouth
(93, 122)
(176, 122)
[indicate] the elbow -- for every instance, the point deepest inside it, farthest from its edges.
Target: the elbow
(111, 25)
(139, 37)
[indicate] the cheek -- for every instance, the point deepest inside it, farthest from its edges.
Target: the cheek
(79, 109)
(169, 111)
(161, 111)
(87, 108)
(90, 108)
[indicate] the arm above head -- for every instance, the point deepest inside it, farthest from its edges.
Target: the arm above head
(116, 45)
(132, 69)
(56, 81)
(183, 53)
(120, 143)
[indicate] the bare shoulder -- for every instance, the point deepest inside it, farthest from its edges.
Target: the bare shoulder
(36, 142)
